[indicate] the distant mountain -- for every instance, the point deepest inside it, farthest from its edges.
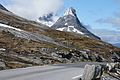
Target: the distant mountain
(117, 44)
(3, 8)
(46, 19)
(25, 43)
(70, 23)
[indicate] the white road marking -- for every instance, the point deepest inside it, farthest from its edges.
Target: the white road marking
(76, 77)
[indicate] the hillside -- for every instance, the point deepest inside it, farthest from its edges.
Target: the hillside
(26, 43)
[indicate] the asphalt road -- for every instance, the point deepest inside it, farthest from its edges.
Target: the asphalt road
(48, 72)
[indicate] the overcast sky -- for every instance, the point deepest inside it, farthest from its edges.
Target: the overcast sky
(103, 16)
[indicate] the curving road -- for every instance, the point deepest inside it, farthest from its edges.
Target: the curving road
(49, 72)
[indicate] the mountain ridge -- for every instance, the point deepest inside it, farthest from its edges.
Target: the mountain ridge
(3, 8)
(70, 23)
(25, 43)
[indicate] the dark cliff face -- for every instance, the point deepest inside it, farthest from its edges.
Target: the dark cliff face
(70, 20)
(3, 8)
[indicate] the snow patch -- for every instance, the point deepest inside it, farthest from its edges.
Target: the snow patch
(66, 23)
(26, 35)
(6, 26)
(48, 23)
(70, 11)
(2, 49)
(70, 29)
(61, 29)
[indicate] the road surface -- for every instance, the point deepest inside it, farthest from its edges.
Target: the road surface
(48, 72)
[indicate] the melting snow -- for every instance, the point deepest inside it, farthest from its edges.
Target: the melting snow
(26, 35)
(61, 29)
(66, 23)
(70, 29)
(6, 26)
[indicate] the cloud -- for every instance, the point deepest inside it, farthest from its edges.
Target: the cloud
(108, 35)
(114, 21)
(33, 9)
(48, 19)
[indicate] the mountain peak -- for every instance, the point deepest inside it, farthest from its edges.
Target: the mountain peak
(70, 23)
(70, 11)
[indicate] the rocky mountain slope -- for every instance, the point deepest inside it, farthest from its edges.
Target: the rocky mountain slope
(26, 43)
(3, 8)
(70, 23)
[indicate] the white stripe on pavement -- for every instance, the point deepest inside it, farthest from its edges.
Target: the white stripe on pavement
(76, 77)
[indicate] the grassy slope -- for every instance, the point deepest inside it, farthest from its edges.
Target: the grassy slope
(69, 40)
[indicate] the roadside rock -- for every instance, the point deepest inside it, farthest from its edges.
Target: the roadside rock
(2, 66)
(111, 66)
(116, 57)
(108, 78)
(88, 72)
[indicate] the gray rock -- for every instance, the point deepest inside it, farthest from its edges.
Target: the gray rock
(98, 72)
(108, 78)
(116, 57)
(89, 72)
(92, 72)
(2, 66)
(3, 8)
(111, 66)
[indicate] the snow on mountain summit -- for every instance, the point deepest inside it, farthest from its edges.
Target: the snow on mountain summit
(70, 23)
(70, 11)
(70, 29)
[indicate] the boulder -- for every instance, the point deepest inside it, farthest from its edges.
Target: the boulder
(2, 66)
(116, 57)
(112, 67)
(89, 72)
(98, 72)
(92, 72)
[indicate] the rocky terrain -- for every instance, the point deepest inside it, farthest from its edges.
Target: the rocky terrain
(25, 43)
(110, 71)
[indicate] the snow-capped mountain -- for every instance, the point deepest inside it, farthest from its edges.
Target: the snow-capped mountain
(28, 43)
(70, 23)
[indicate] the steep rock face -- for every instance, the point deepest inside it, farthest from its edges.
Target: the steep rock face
(70, 23)
(3, 8)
